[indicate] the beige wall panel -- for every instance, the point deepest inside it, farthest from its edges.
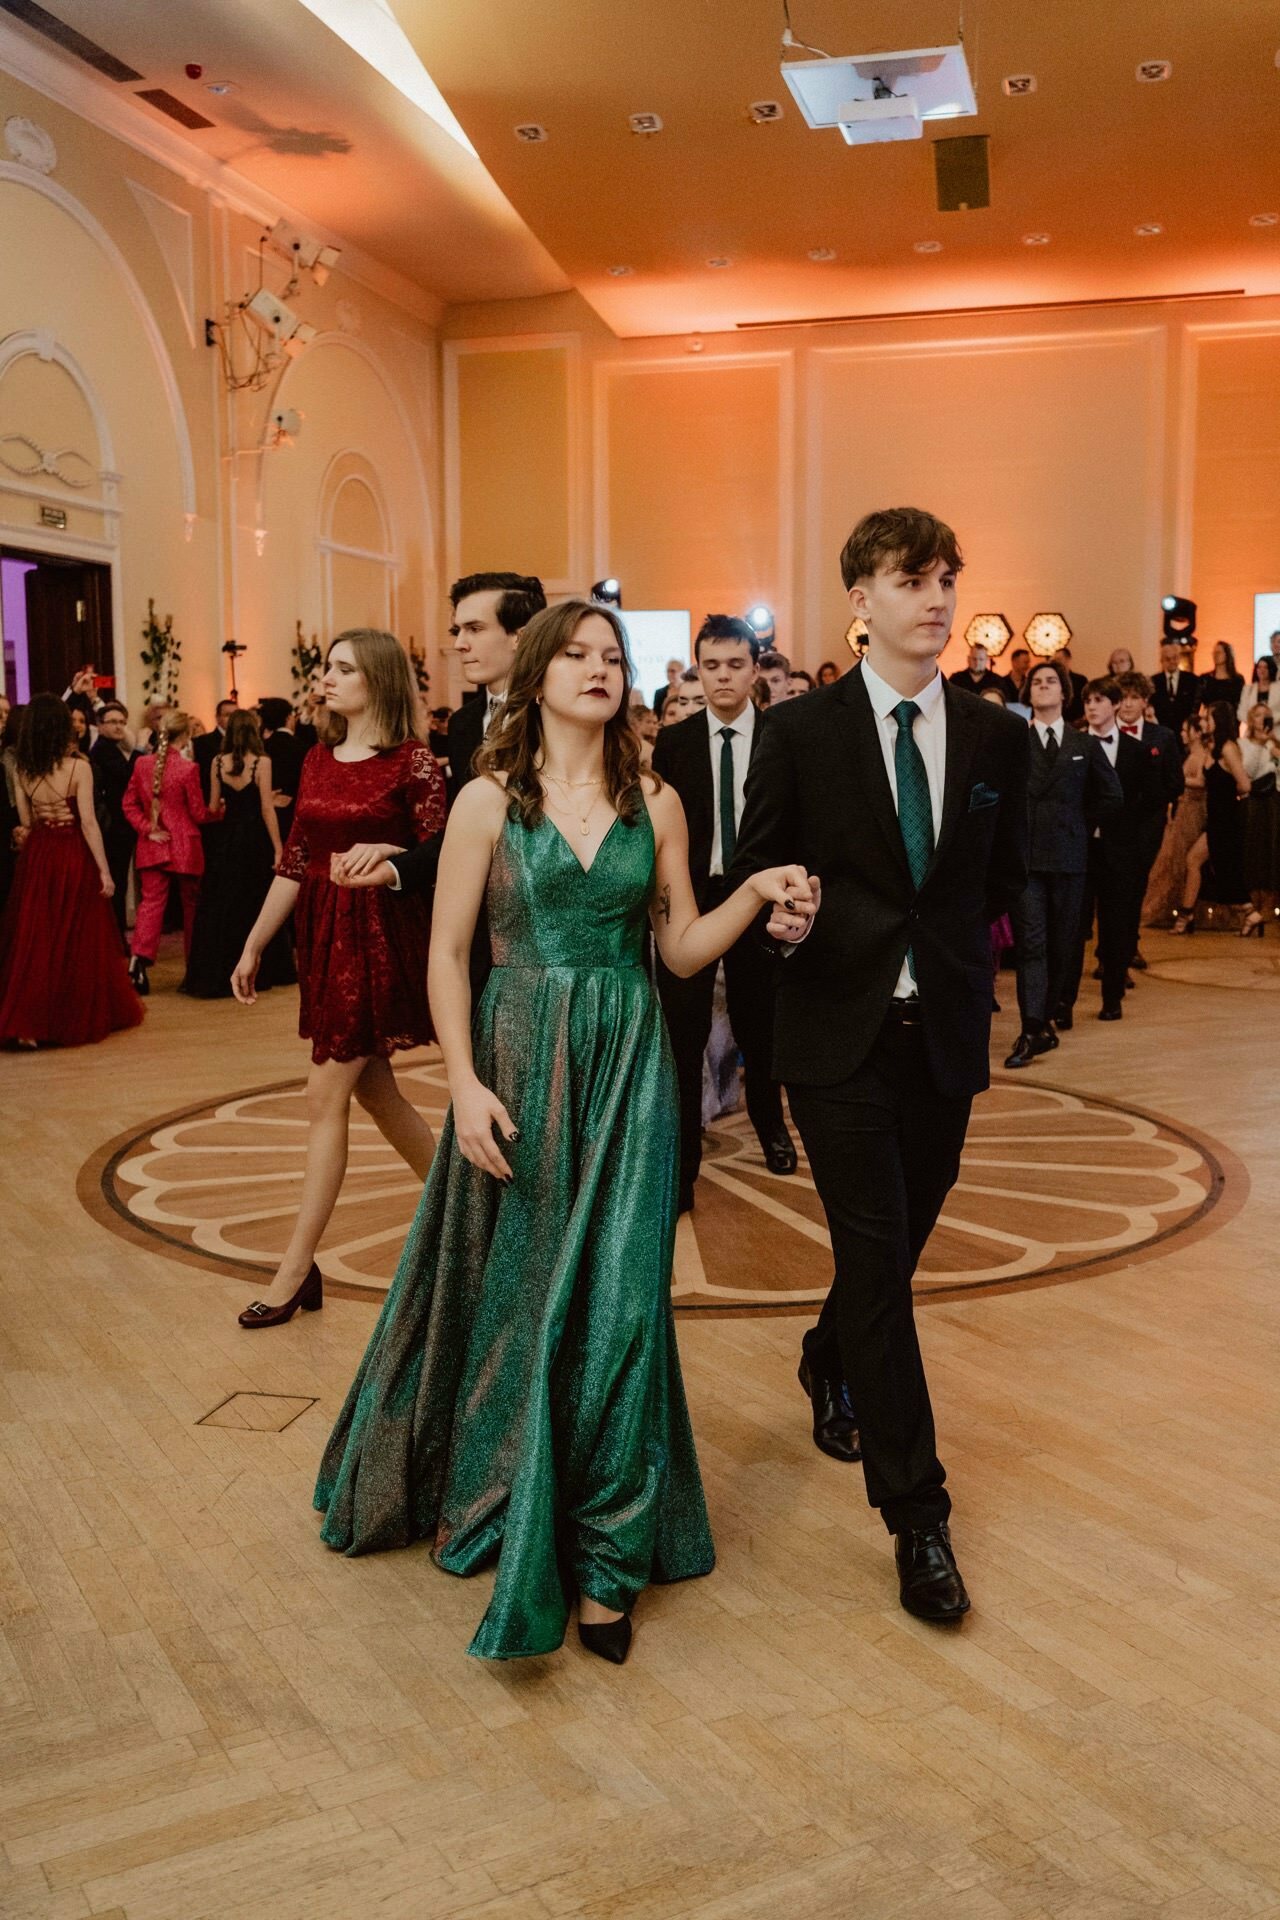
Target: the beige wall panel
(358, 593)
(694, 486)
(1042, 458)
(513, 507)
(357, 517)
(1236, 521)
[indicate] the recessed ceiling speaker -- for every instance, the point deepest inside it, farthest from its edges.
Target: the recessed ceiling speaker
(963, 177)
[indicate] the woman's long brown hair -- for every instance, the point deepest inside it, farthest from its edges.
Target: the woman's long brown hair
(389, 681)
(514, 747)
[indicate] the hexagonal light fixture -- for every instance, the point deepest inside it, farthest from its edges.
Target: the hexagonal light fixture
(989, 630)
(856, 635)
(1047, 634)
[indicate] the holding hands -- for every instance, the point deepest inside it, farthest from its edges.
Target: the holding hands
(364, 865)
(795, 896)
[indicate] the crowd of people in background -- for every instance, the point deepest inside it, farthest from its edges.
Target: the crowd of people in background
(1162, 811)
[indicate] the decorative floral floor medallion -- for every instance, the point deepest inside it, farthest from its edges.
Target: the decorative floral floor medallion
(1053, 1185)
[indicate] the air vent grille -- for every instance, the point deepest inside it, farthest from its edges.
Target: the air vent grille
(68, 39)
(176, 109)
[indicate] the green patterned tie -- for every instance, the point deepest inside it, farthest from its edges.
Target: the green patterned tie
(728, 825)
(915, 809)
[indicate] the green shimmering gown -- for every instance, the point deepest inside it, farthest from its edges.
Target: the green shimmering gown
(521, 1395)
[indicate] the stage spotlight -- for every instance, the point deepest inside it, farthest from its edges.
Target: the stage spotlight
(761, 622)
(1179, 619)
(989, 630)
(1047, 634)
(608, 592)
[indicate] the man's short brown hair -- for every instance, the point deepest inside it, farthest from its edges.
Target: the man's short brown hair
(905, 538)
(1106, 686)
(1136, 682)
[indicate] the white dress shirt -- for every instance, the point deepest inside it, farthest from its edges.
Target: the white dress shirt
(1110, 744)
(1055, 727)
(743, 730)
(929, 731)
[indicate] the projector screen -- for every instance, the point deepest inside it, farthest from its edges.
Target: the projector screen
(656, 638)
(1266, 621)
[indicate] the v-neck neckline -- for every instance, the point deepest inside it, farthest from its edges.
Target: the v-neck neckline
(563, 837)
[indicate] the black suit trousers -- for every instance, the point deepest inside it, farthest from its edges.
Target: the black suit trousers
(749, 989)
(1046, 926)
(1114, 887)
(119, 846)
(884, 1150)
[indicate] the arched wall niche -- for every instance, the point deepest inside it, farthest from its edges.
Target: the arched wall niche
(343, 515)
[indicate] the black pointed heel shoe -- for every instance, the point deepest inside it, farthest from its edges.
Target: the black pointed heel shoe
(609, 1639)
(138, 980)
(310, 1297)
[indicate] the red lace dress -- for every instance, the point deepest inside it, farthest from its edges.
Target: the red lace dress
(362, 951)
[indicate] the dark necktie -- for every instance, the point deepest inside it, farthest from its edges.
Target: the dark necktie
(1051, 747)
(728, 826)
(915, 809)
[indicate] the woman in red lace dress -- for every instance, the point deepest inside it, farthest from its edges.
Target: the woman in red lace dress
(362, 952)
(62, 974)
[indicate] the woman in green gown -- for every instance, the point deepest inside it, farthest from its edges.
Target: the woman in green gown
(521, 1397)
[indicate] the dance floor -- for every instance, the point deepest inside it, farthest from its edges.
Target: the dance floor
(204, 1713)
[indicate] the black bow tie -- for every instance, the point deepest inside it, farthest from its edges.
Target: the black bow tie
(1108, 739)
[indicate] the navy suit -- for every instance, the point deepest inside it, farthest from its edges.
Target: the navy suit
(1069, 793)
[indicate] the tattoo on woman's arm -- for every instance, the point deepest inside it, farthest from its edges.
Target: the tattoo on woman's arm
(664, 904)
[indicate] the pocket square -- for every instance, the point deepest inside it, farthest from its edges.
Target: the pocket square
(982, 796)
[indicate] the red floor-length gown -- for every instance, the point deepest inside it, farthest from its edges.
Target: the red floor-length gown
(63, 979)
(362, 951)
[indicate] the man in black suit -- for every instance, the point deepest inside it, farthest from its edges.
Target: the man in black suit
(908, 798)
(1071, 789)
(112, 758)
(1174, 691)
(979, 674)
(490, 612)
(1075, 706)
(1123, 848)
(706, 759)
(1015, 681)
(209, 745)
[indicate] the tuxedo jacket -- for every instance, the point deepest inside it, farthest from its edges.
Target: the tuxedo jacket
(417, 865)
(682, 757)
(1170, 708)
(204, 752)
(1151, 778)
(819, 793)
(111, 771)
(1068, 795)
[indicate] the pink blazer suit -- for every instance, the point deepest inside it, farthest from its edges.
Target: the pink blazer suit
(182, 814)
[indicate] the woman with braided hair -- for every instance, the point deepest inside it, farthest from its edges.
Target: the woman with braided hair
(165, 807)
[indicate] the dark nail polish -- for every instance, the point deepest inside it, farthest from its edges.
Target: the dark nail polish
(514, 1134)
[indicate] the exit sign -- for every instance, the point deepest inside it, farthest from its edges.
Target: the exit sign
(53, 517)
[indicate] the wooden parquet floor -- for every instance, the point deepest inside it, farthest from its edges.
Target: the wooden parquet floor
(204, 1714)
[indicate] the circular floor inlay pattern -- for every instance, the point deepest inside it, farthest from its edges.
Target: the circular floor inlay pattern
(1053, 1185)
(1251, 971)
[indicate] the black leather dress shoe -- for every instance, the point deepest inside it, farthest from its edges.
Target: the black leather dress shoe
(684, 1201)
(1138, 963)
(835, 1431)
(779, 1153)
(1064, 1019)
(1112, 1012)
(1024, 1051)
(929, 1583)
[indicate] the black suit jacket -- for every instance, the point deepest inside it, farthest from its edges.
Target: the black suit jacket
(111, 771)
(1151, 778)
(819, 794)
(682, 756)
(1067, 797)
(1171, 709)
(417, 865)
(204, 753)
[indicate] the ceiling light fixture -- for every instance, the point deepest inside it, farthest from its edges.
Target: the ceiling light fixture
(720, 261)
(1148, 230)
(822, 253)
(927, 246)
(608, 592)
(221, 86)
(763, 111)
(645, 122)
(1152, 71)
(881, 96)
(1035, 239)
(619, 273)
(1264, 219)
(1017, 84)
(531, 133)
